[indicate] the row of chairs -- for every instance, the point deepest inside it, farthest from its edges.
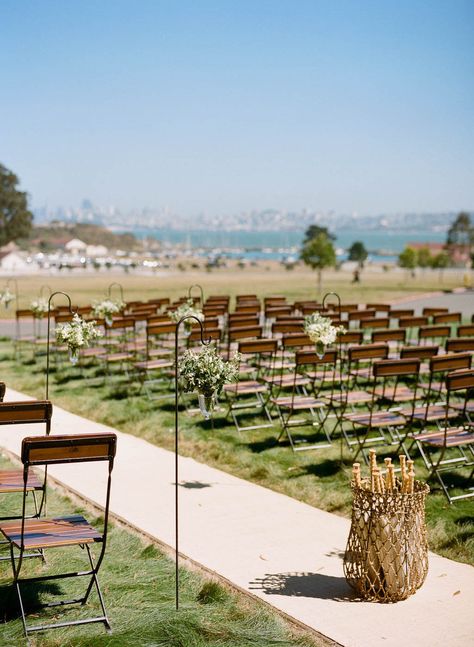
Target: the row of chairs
(28, 532)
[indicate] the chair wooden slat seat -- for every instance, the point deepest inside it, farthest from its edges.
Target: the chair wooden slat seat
(431, 413)
(377, 419)
(353, 397)
(245, 386)
(298, 402)
(50, 533)
(399, 393)
(456, 438)
(12, 481)
(287, 380)
(150, 364)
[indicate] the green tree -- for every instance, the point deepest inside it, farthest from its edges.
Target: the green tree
(314, 230)
(461, 236)
(424, 258)
(408, 259)
(15, 218)
(440, 262)
(358, 253)
(318, 253)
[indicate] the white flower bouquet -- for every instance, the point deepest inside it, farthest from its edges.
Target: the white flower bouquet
(77, 334)
(106, 309)
(39, 307)
(6, 297)
(206, 372)
(321, 331)
(186, 309)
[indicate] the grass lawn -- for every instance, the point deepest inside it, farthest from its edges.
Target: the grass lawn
(137, 582)
(315, 477)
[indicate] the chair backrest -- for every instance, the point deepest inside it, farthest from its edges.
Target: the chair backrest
(367, 352)
(460, 344)
(304, 357)
(447, 317)
(398, 314)
(422, 352)
(374, 322)
(244, 332)
(161, 328)
(460, 380)
(296, 341)
(412, 322)
(433, 332)
(287, 327)
(396, 367)
(467, 330)
(451, 362)
(429, 312)
(392, 334)
(75, 448)
(359, 315)
(258, 346)
(208, 333)
(379, 307)
(26, 412)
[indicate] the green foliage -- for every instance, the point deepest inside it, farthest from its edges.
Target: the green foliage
(440, 261)
(424, 258)
(319, 252)
(46, 237)
(461, 231)
(408, 258)
(314, 230)
(15, 218)
(358, 253)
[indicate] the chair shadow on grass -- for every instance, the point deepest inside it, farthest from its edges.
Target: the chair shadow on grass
(305, 585)
(259, 446)
(32, 598)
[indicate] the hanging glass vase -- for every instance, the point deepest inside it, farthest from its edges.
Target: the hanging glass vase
(320, 349)
(206, 404)
(73, 355)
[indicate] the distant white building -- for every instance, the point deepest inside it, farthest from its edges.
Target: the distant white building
(13, 262)
(96, 250)
(75, 246)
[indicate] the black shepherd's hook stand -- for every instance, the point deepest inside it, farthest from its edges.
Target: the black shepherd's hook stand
(47, 338)
(176, 441)
(196, 285)
(335, 294)
(120, 287)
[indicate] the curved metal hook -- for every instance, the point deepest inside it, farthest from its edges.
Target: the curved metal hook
(176, 439)
(119, 285)
(48, 335)
(42, 289)
(196, 285)
(335, 294)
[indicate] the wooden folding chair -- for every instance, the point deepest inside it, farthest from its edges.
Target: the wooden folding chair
(383, 416)
(11, 480)
(65, 531)
(451, 447)
(250, 397)
(434, 409)
(299, 410)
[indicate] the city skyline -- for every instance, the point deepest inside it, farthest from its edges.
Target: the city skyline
(221, 108)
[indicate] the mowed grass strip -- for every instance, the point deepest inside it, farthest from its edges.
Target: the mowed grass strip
(316, 477)
(137, 582)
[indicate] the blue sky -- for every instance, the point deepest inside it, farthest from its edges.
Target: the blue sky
(226, 106)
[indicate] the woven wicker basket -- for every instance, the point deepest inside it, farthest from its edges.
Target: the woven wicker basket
(386, 556)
